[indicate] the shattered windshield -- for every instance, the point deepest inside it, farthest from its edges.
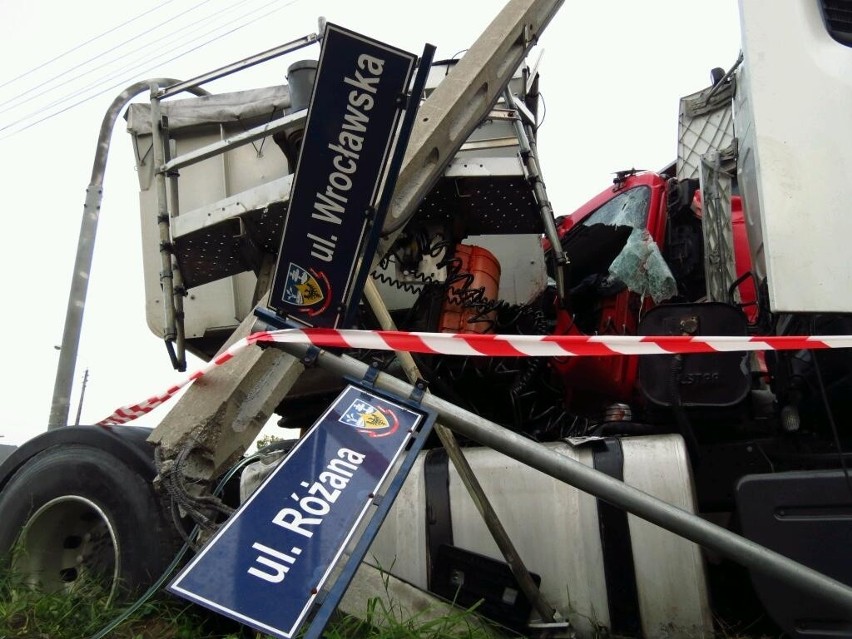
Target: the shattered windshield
(626, 209)
(639, 265)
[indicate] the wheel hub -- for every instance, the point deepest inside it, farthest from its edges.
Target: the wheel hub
(67, 541)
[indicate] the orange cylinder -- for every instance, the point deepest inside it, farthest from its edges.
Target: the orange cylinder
(462, 310)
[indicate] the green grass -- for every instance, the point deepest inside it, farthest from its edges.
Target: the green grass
(26, 613)
(85, 610)
(388, 619)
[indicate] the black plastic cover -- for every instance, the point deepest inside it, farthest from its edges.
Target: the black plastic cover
(695, 379)
(806, 516)
(838, 19)
(467, 578)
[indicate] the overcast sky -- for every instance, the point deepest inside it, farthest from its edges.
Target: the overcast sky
(611, 76)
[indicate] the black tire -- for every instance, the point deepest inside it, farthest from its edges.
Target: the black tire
(75, 511)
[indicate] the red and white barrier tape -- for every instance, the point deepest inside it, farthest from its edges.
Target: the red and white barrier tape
(492, 346)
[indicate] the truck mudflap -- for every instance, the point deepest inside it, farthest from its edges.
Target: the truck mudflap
(807, 516)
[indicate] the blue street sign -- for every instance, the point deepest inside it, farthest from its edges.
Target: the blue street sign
(269, 561)
(352, 127)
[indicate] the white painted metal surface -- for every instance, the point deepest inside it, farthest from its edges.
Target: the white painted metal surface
(672, 585)
(793, 124)
(217, 193)
(211, 192)
(556, 531)
(523, 274)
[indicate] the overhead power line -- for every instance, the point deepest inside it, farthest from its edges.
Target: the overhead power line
(83, 44)
(148, 70)
(17, 101)
(111, 61)
(133, 70)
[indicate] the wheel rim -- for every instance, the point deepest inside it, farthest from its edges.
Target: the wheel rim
(67, 541)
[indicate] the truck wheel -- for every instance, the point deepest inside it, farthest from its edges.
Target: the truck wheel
(75, 512)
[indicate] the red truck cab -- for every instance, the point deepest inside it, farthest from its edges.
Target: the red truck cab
(635, 245)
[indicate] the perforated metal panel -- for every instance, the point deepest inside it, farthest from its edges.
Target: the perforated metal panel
(485, 196)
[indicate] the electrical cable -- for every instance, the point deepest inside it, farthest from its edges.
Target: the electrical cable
(133, 66)
(187, 546)
(189, 539)
(487, 315)
(96, 57)
(112, 86)
(457, 288)
(83, 44)
(198, 506)
(124, 72)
